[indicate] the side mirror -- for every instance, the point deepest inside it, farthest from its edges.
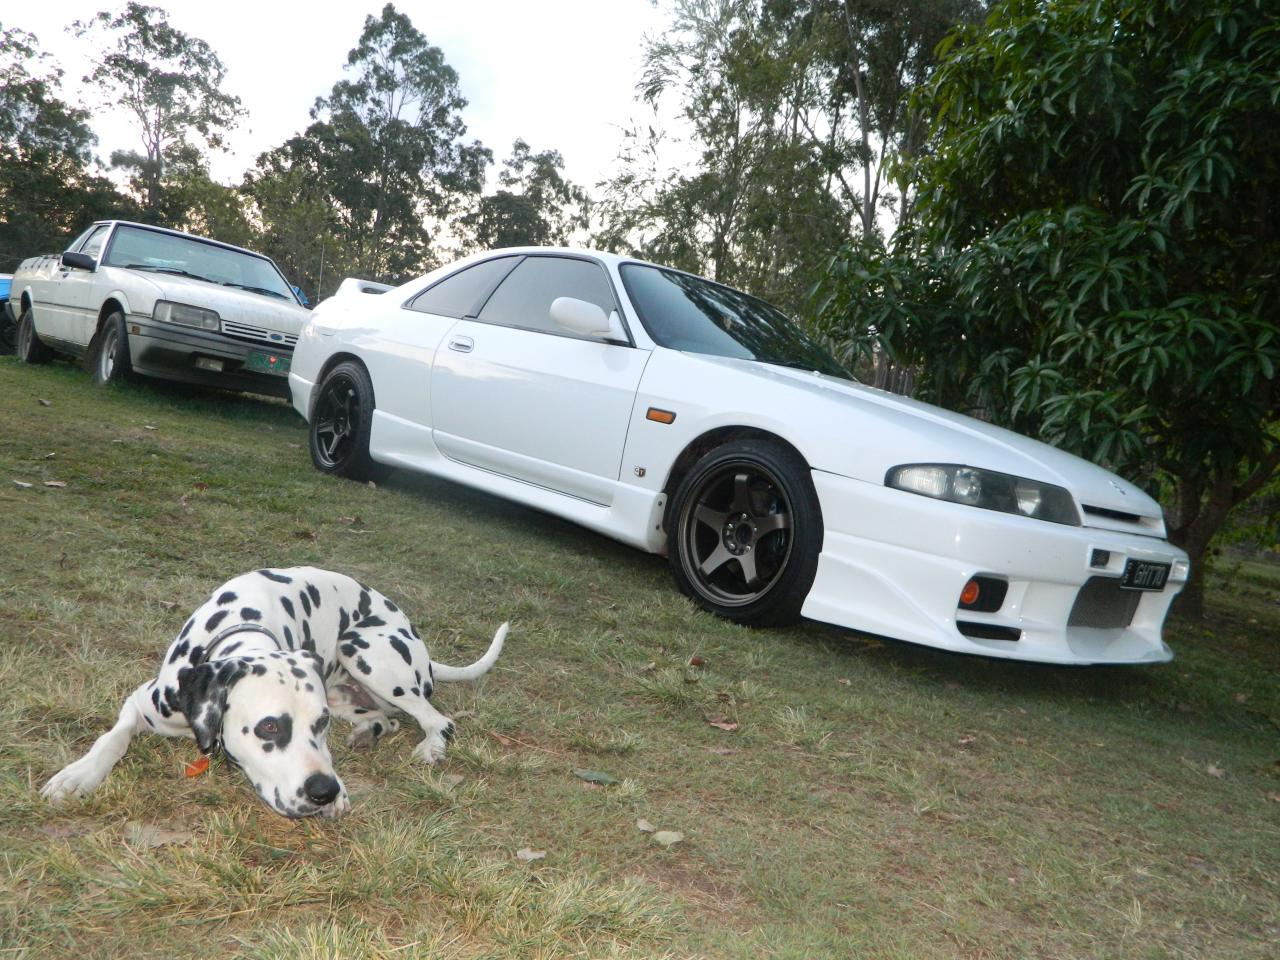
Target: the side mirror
(79, 261)
(586, 319)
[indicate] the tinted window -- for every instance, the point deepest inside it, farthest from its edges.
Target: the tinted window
(459, 294)
(524, 299)
(93, 245)
(688, 313)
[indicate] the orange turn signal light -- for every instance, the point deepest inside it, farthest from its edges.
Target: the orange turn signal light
(969, 595)
(660, 416)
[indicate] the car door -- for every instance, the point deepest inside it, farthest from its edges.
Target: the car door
(514, 394)
(64, 309)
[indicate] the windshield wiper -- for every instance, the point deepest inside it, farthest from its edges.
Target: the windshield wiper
(170, 270)
(251, 289)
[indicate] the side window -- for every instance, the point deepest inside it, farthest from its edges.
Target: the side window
(461, 293)
(524, 299)
(92, 246)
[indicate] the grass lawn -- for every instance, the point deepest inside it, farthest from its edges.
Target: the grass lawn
(875, 800)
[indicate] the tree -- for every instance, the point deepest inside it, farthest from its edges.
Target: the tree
(787, 102)
(536, 205)
(172, 85)
(1095, 260)
(385, 150)
(47, 189)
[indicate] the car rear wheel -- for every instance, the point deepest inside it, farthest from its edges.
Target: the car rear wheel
(745, 530)
(29, 348)
(111, 362)
(341, 421)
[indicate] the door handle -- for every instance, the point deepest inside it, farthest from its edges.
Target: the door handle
(462, 344)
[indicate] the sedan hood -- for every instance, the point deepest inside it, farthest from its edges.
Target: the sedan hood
(232, 304)
(860, 432)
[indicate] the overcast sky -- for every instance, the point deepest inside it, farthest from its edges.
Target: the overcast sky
(559, 73)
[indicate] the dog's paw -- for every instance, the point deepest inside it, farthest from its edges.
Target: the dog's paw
(431, 749)
(362, 738)
(74, 780)
(339, 808)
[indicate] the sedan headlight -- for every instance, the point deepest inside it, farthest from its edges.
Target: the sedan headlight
(169, 312)
(986, 489)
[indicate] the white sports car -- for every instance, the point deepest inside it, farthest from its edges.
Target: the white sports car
(686, 418)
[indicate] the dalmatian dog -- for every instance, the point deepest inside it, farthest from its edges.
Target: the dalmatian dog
(259, 669)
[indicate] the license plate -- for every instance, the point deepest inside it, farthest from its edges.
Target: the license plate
(277, 363)
(1145, 575)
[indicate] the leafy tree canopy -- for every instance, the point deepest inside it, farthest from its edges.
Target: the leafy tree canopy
(1095, 259)
(534, 205)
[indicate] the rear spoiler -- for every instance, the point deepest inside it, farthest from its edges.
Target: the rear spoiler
(356, 285)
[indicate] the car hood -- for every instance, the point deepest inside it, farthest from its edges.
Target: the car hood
(861, 432)
(232, 304)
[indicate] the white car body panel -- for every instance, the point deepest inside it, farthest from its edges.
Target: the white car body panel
(561, 424)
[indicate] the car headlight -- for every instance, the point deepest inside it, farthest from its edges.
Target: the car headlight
(169, 312)
(986, 489)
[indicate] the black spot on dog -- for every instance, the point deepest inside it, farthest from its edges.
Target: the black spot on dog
(300, 674)
(307, 642)
(363, 667)
(248, 613)
(228, 597)
(397, 691)
(259, 669)
(155, 698)
(309, 688)
(371, 622)
(288, 638)
(150, 722)
(321, 722)
(212, 623)
(275, 731)
(377, 729)
(196, 655)
(180, 651)
(391, 606)
(314, 594)
(276, 577)
(231, 648)
(306, 603)
(187, 629)
(364, 605)
(347, 650)
(244, 729)
(268, 747)
(343, 621)
(414, 691)
(447, 732)
(288, 607)
(399, 647)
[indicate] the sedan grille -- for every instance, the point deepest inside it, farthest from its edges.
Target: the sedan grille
(1103, 604)
(247, 331)
(1107, 519)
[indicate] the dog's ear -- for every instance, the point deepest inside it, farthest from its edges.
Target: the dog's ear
(202, 698)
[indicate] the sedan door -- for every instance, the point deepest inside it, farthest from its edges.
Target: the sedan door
(514, 394)
(67, 307)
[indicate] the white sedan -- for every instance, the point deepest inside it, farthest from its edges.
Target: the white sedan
(686, 418)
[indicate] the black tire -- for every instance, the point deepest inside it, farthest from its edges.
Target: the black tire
(744, 532)
(8, 333)
(111, 363)
(341, 420)
(28, 347)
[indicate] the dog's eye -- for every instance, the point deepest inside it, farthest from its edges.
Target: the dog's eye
(267, 728)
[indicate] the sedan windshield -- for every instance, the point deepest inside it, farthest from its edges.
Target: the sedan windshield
(684, 312)
(151, 250)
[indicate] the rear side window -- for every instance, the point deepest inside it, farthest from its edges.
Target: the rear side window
(524, 299)
(460, 294)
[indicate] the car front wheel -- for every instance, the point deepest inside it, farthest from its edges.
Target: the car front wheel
(341, 420)
(29, 348)
(745, 530)
(111, 364)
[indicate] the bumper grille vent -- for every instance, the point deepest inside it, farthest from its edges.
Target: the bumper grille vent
(1102, 604)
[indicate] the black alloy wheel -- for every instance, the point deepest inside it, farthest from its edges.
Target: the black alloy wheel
(745, 531)
(341, 419)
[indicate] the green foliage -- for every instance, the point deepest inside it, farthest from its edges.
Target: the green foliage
(536, 206)
(1095, 257)
(172, 85)
(47, 189)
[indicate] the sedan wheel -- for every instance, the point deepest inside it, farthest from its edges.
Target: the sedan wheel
(745, 532)
(29, 348)
(111, 363)
(340, 424)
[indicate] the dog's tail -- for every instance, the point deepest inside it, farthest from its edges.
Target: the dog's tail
(448, 674)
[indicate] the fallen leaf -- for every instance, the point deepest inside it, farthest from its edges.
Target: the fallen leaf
(843, 681)
(1241, 697)
(453, 780)
(1274, 797)
(46, 403)
(723, 723)
(644, 826)
(147, 426)
(1215, 771)
(668, 838)
(649, 667)
(594, 776)
(724, 751)
(697, 662)
(149, 835)
(201, 485)
(462, 715)
(48, 456)
(23, 485)
(304, 534)
(528, 856)
(967, 739)
(372, 485)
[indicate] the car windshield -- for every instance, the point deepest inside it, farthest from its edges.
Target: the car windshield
(684, 312)
(157, 252)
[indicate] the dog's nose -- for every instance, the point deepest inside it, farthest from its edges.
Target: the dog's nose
(321, 788)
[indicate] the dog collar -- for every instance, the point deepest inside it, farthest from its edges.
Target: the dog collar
(220, 638)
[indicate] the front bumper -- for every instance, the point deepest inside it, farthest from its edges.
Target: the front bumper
(173, 352)
(894, 563)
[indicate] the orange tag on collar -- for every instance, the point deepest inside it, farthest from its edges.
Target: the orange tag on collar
(197, 767)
